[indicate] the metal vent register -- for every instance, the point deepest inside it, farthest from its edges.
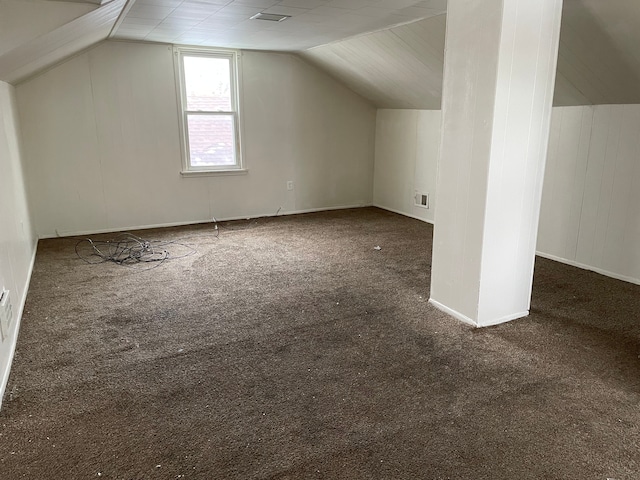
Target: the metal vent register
(270, 17)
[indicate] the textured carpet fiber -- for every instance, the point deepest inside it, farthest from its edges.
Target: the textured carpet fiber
(291, 348)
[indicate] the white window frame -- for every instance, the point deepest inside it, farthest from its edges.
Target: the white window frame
(234, 57)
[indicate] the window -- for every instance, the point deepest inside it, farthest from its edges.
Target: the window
(209, 111)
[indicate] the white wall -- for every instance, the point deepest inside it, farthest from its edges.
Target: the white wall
(406, 159)
(17, 243)
(102, 143)
(590, 212)
(591, 200)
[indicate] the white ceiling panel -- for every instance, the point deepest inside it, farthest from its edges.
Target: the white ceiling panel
(59, 43)
(161, 3)
(401, 67)
(23, 20)
(91, 2)
(599, 54)
(390, 51)
(312, 22)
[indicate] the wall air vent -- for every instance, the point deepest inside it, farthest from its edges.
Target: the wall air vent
(422, 200)
(270, 17)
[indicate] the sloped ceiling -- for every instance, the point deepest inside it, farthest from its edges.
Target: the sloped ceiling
(396, 68)
(598, 62)
(23, 20)
(228, 23)
(399, 67)
(35, 34)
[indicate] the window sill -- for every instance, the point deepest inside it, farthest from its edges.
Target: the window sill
(214, 173)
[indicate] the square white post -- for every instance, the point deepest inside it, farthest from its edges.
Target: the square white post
(500, 66)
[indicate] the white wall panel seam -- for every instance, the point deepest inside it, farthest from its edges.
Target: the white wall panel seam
(588, 111)
(604, 188)
(98, 139)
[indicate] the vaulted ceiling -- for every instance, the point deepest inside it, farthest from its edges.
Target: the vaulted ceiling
(227, 23)
(35, 34)
(401, 67)
(389, 51)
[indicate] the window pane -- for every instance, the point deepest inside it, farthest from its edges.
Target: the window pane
(208, 84)
(211, 140)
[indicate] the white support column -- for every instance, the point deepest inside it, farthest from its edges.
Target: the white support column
(500, 65)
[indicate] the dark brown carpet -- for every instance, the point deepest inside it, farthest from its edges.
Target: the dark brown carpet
(290, 348)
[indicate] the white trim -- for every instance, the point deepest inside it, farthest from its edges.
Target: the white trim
(214, 173)
(591, 268)
(327, 209)
(469, 321)
(122, 229)
(179, 52)
(120, 19)
(566, 261)
(240, 111)
(505, 319)
(403, 213)
(198, 222)
(4, 377)
(453, 313)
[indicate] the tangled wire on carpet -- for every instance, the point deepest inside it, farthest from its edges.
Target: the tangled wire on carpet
(130, 251)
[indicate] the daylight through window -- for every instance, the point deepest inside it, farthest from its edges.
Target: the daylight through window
(209, 111)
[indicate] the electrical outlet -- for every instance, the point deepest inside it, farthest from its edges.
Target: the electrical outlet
(6, 313)
(290, 185)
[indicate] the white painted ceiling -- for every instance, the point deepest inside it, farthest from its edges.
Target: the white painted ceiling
(226, 23)
(35, 34)
(94, 2)
(23, 20)
(401, 67)
(390, 51)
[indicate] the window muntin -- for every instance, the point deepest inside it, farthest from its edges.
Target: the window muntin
(209, 110)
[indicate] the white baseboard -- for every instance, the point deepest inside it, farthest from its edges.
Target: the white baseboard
(591, 268)
(120, 229)
(282, 213)
(198, 222)
(555, 258)
(505, 319)
(453, 313)
(393, 210)
(4, 375)
(322, 209)
(463, 318)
